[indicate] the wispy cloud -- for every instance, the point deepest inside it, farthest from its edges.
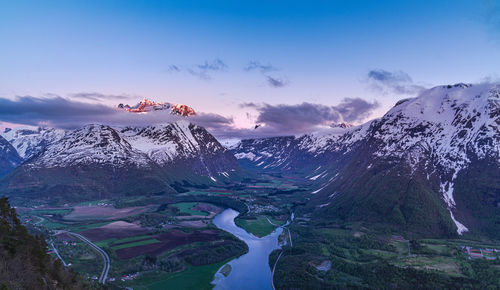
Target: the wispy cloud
(265, 69)
(276, 82)
(258, 66)
(174, 68)
(398, 82)
(100, 97)
(203, 71)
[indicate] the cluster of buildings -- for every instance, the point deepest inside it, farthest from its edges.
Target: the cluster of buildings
(480, 253)
(132, 276)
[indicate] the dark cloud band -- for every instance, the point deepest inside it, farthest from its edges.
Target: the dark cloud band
(278, 120)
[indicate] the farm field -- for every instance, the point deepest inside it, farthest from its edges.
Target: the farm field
(135, 244)
(198, 277)
(259, 226)
(166, 245)
(187, 208)
(96, 212)
(159, 244)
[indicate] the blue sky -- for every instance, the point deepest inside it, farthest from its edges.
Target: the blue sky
(319, 52)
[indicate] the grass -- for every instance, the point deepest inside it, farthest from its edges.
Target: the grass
(207, 193)
(79, 228)
(49, 211)
(113, 241)
(191, 278)
(52, 225)
(92, 202)
(438, 263)
(259, 227)
(186, 208)
(135, 244)
(226, 270)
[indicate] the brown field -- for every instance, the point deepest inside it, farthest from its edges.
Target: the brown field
(66, 237)
(80, 213)
(207, 207)
(201, 206)
(119, 230)
(170, 240)
(192, 224)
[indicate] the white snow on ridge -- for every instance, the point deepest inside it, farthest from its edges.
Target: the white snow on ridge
(138, 146)
(29, 140)
(250, 156)
(460, 227)
(446, 124)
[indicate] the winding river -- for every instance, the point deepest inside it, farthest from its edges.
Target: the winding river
(250, 271)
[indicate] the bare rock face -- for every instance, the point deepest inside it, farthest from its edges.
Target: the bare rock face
(147, 105)
(9, 159)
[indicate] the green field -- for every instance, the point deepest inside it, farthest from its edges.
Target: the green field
(206, 193)
(92, 202)
(135, 244)
(49, 211)
(52, 225)
(111, 242)
(191, 278)
(83, 227)
(186, 208)
(259, 227)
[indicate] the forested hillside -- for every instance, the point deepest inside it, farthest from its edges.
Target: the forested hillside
(24, 263)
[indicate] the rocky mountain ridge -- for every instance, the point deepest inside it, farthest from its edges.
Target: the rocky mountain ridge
(424, 144)
(179, 152)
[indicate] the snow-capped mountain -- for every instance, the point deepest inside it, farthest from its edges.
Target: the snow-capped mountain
(183, 143)
(9, 159)
(431, 164)
(29, 141)
(90, 145)
(297, 154)
(179, 152)
(146, 106)
(443, 130)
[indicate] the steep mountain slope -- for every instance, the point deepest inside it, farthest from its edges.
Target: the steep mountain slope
(91, 162)
(9, 158)
(98, 161)
(90, 145)
(429, 166)
(414, 166)
(306, 154)
(29, 141)
(24, 263)
(188, 148)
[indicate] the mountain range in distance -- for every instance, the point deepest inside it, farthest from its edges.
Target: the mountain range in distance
(430, 166)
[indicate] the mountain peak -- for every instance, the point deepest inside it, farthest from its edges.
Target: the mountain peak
(147, 105)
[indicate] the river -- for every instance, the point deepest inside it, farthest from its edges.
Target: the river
(250, 271)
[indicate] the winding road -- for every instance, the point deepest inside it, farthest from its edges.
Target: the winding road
(107, 262)
(291, 245)
(57, 253)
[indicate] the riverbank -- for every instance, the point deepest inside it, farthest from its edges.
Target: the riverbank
(250, 271)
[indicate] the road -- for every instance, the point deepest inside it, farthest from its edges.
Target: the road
(290, 236)
(271, 221)
(59, 256)
(291, 245)
(40, 221)
(274, 268)
(105, 257)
